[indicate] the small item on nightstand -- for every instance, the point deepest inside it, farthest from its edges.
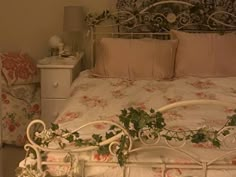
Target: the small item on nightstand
(67, 52)
(57, 46)
(65, 55)
(69, 55)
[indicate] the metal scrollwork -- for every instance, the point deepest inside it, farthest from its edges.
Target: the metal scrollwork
(161, 16)
(173, 143)
(229, 141)
(148, 137)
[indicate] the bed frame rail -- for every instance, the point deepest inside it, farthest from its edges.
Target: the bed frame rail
(78, 167)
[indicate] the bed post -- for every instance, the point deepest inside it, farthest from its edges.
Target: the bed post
(204, 168)
(82, 166)
(125, 171)
(163, 169)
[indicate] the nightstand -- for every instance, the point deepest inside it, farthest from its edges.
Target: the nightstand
(57, 75)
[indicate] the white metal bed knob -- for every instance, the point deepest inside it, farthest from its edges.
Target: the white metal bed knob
(55, 84)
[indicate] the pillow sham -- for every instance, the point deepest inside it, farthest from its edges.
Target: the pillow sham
(18, 68)
(135, 58)
(205, 54)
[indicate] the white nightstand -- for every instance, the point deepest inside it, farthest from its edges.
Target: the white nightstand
(57, 75)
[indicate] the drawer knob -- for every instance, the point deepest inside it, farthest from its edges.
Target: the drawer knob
(55, 84)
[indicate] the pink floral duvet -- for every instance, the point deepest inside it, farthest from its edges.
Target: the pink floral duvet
(98, 99)
(20, 105)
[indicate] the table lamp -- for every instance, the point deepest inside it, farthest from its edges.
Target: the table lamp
(73, 24)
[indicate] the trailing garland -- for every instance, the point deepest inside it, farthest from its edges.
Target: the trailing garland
(134, 121)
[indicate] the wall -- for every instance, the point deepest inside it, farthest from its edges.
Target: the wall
(27, 24)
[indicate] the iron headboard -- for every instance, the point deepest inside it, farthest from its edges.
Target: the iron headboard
(163, 15)
(160, 16)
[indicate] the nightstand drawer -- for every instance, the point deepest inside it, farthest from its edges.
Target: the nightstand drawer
(57, 75)
(55, 83)
(51, 109)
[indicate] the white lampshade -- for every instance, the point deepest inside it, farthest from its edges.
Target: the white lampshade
(73, 18)
(55, 41)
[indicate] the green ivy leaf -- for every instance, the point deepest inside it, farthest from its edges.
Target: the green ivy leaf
(216, 142)
(124, 112)
(160, 123)
(199, 137)
(70, 138)
(66, 131)
(97, 138)
(232, 120)
(54, 126)
(180, 139)
(109, 135)
(133, 133)
(121, 159)
(103, 150)
(76, 134)
(152, 111)
(122, 142)
(226, 132)
(79, 142)
(169, 138)
(141, 123)
(112, 127)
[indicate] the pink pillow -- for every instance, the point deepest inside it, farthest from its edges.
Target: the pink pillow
(18, 68)
(135, 58)
(205, 54)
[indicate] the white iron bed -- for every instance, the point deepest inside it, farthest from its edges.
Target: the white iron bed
(59, 150)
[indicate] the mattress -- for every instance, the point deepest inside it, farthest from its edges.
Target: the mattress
(103, 99)
(20, 105)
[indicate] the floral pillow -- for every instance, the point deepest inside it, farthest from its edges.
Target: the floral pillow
(18, 68)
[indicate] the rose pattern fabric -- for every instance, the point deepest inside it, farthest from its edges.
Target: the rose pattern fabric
(69, 116)
(199, 84)
(108, 96)
(18, 68)
(23, 92)
(103, 99)
(93, 101)
(18, 111)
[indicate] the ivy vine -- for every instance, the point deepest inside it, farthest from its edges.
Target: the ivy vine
(134, 120)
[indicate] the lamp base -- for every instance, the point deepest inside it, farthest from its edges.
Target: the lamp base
(54, 52)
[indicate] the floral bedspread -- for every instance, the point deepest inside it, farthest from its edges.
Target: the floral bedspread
(99, 99)
(20, 105)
